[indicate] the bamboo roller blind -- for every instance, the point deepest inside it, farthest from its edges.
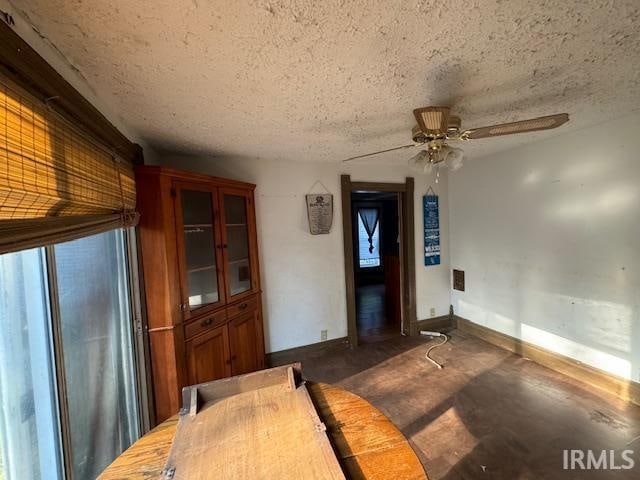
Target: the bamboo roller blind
(51, 169)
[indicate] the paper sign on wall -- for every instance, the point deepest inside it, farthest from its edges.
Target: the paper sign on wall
(320, 213)
(431, 230)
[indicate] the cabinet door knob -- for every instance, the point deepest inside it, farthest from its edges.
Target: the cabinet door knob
(242, 306)
(206, 322)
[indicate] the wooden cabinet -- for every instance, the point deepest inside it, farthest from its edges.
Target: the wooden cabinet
(242, 344)
(208, 356)
(202, 281)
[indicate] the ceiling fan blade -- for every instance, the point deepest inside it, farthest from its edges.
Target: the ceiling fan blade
(381, 151)
(432, 120)
(531, 125)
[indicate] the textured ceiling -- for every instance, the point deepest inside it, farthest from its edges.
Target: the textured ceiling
(324, 80)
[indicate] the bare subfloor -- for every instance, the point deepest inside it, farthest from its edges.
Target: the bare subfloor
(488, 414)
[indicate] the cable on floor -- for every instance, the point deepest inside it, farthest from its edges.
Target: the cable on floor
(432, 347)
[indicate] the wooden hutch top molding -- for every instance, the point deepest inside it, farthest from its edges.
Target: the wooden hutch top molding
(193, 176)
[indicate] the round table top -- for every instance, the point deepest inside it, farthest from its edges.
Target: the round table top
(366, 443)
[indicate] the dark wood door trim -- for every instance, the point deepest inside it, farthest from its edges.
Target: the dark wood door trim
(409, 259)
(408, 263)
(378, 187)
(349, 274)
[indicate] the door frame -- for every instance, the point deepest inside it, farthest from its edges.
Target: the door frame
(406, 204)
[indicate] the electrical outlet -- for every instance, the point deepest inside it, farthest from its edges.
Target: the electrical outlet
(432, 312)
(323, 335)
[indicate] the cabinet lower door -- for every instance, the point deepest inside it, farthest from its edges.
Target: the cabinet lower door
(243, 342)
(208, 356)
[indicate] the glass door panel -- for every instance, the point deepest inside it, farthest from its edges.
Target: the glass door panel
(237, 235)
(30, 445)
(97, 348)
(199, 248)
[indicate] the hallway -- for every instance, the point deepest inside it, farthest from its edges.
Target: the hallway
(372, 321)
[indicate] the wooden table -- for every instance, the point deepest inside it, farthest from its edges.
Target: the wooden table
(367, 444)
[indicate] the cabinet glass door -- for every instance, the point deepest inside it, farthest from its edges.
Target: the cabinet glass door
(238, 265)
(199, 263)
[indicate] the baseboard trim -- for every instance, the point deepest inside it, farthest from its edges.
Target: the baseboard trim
(273, 358)
(625, 389)
(436, 324)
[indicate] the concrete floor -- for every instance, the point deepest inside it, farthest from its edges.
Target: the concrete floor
(488, 414)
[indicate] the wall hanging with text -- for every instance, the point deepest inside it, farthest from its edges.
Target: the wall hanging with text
(319, 210)
(431, 229)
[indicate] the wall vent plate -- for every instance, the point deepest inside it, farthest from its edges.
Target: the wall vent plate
(458, 280)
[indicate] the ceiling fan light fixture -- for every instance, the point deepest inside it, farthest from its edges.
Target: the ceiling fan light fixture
(433, 120)
(454, 157)
(419, 161)
(417, 135)
(454, 124)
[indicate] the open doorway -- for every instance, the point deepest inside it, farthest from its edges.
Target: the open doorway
(375, 221)
(379, 252)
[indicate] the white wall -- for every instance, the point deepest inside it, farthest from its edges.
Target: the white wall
(303, 274)
(549, 238)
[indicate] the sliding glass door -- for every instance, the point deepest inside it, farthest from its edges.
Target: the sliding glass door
(97, 348)
(67, 359)
(29, 428)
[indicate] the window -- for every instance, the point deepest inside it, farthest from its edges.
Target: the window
(99, 371)
(368, 257)
(95, 400)
(29, 426)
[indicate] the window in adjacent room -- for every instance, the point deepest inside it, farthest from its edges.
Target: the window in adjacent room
(368, 237)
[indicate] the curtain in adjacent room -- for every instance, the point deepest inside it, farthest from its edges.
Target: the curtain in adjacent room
(57, 183)
(369, 218)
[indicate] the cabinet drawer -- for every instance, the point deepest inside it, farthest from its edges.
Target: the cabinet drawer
(205, 323)
(248, 305)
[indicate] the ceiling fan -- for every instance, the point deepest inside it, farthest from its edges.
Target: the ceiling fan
(436, 127)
